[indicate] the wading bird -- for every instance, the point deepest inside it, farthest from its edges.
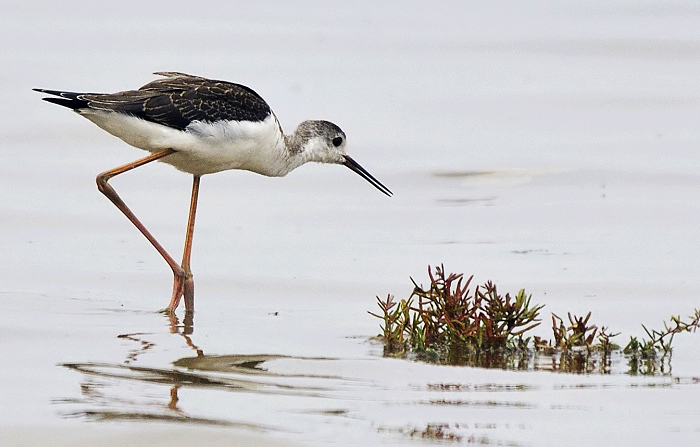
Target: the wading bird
(202, 126)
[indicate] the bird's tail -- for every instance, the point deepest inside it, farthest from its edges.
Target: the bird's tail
(71, 100)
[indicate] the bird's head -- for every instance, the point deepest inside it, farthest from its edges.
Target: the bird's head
(324, 142)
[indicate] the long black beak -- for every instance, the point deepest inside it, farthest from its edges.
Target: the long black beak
(355, 166)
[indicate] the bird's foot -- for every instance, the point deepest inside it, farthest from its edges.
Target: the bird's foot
(183, 287)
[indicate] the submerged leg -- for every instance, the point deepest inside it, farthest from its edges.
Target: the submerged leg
(106, 189)
(184, 286)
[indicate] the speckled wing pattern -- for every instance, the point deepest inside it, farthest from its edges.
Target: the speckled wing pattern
(179, 99)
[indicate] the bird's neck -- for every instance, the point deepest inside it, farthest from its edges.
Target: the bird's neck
(294, 144)
(305, 145)
(300, 149)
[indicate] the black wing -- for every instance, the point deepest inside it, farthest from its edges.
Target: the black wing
(175, 101)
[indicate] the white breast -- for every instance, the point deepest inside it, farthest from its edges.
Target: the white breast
(203, 147)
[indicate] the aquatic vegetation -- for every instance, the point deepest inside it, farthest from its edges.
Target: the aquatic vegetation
(442, 432)
(446, 322)
(654, 355)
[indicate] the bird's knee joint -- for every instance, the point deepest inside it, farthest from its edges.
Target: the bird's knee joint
(180, 273)
(102, 180)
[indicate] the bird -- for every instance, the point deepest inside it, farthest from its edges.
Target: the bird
(203, 126)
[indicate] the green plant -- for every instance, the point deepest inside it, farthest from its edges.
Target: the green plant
(579, 334)
(446, 322)
(449, 322)
(650, 356)
(396, 323)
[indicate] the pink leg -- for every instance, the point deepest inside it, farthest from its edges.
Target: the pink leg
(183, 283)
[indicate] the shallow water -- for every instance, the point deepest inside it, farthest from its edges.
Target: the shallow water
(546, 147)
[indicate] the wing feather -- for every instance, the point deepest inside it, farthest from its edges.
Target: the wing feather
(179, 99)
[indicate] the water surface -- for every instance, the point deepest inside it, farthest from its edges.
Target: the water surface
(546, 147)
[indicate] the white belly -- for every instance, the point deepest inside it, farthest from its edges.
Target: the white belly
(204, 148)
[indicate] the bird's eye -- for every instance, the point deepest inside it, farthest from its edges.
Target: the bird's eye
(337, 141)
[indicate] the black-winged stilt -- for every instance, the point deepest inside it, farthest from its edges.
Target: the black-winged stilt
(202, 126)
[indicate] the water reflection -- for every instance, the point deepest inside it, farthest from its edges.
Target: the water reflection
(103, 383)
(129, 392)
(378, 399)
(572, 361)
